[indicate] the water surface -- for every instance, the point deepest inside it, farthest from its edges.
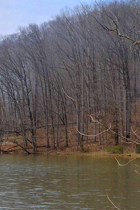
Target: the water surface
(67, 183)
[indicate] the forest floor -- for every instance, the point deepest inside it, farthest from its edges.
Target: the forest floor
(87, 148)
(13, 144)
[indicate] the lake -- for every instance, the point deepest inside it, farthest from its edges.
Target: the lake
(68, 183)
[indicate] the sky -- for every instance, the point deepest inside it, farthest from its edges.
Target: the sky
(20, 13)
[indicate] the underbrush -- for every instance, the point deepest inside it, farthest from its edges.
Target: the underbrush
(115, 149)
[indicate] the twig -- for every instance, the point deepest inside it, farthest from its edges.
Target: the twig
(68, 96)
(116, 29)
(137, 166)
(95, 134)
(125, 163)
(112, 202)
(137, 172)
(134, 132)
(123, 137)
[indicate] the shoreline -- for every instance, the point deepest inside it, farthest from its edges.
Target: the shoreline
(94, 150)
(99, 154)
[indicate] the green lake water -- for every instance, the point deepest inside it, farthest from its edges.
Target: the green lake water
(67, 183)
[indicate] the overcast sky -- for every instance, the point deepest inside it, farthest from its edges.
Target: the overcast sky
(16, 13)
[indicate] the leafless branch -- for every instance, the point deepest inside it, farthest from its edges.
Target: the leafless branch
(116, 28)
(21, 147)
(97, 121)
(95, 134)
(137, 172)
(112, 202)
(123, 137)
(134, 132)
(108, 129)
(68, 96)
(137, 166)
(127, 162)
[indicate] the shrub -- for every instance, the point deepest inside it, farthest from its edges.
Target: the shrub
(115, 149)
(137, 149)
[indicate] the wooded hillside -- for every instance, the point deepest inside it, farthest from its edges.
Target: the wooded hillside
(80, 70)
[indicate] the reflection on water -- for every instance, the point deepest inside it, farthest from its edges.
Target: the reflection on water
(67, 183)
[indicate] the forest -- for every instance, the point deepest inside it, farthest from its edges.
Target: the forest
(73, 80)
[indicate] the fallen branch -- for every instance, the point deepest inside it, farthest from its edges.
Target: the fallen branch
(22, 147)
